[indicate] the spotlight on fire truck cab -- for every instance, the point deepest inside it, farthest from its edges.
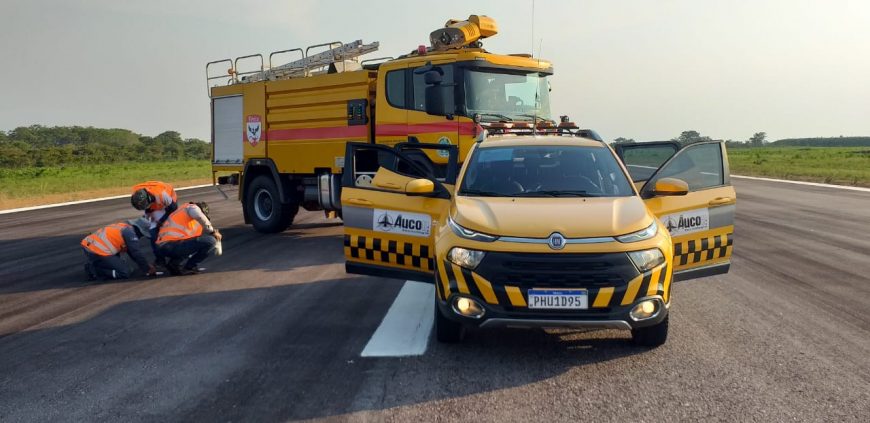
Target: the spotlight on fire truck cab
(457, 34)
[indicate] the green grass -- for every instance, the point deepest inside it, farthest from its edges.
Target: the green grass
(79, 181)
(832, 165)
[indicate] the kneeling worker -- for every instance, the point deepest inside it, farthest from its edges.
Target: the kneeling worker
(187, 234)
(103, 250)
(158, 200)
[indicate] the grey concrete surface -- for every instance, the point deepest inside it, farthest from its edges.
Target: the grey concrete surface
(273, 331)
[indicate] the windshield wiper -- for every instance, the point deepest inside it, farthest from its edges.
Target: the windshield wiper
(556, 193)
(539, 118)
(503, 118)
(481, 193)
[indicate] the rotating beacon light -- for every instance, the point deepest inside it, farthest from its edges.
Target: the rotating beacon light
(457, 34)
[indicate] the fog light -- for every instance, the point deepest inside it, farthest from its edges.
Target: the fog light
(644, 310)
(467, 307)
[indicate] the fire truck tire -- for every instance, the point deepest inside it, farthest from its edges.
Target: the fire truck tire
(446, 330)
(268, 214)
(651, 336)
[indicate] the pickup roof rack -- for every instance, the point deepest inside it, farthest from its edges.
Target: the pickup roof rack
(543, 127)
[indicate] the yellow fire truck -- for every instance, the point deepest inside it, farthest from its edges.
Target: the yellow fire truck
(282, 129)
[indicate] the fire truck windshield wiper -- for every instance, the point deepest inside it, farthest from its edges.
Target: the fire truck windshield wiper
(502, 118)
(539, 118)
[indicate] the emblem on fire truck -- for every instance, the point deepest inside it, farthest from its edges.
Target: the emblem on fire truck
(254, 130)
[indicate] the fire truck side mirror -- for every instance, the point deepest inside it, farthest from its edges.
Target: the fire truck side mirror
(437, 99)
(432, 77)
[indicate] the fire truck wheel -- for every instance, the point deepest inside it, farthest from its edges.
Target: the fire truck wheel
(446, 330)
(268, 214)
(651, 336)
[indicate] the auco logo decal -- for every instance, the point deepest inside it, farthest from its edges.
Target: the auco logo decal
(403, 223)
(687, 222)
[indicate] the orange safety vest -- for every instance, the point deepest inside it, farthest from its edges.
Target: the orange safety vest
(163, 193)
(179, 226)
(107, 241)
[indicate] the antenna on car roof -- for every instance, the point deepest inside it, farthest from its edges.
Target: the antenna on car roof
(538, 87)
(537, 91)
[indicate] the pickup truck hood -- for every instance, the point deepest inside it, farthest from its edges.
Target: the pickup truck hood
(539, 217)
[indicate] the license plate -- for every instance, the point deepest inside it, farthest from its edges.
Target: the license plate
(559, 299)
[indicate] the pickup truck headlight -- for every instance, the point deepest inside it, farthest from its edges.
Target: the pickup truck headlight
(640, 235)
(464, 257)
(468, 233)
(646, 259)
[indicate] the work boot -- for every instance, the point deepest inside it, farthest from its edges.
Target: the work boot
(190, 271)
(89, 271)
(174, 268)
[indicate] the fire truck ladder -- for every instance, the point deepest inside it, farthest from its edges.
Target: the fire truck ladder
(336, 55)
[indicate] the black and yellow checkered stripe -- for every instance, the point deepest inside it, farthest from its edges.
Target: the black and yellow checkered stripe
(388, 251)
(693, 251)
(455, 279)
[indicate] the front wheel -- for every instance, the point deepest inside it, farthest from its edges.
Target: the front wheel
(651, 336)
(267, 213)
(446, 330)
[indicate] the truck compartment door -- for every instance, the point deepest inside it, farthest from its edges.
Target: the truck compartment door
(227, 128)
(389, 229)
(701, 222)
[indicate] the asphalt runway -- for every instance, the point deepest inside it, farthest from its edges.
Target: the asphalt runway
(275, 329)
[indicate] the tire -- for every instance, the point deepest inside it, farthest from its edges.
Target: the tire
(446, 330)
(267, 213)
(651, 336)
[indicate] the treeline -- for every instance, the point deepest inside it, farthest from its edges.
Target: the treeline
(759, 139)
(43, 146)
(823, 142)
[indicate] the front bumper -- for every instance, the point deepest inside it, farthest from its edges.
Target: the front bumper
(501, 282)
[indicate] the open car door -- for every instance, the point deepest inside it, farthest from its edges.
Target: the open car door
(392, 200)
(701, 222)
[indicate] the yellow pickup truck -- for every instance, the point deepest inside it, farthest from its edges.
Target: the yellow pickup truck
(541, 231)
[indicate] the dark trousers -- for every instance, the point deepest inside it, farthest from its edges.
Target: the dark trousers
(198, 249)
(106, 267)
(154, 231)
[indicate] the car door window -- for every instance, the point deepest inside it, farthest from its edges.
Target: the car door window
(643, 160)
(369, 161)
(699, 166)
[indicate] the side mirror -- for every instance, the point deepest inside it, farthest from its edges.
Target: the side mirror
(432, 77)
(670, 186)
(436, 101)
(420, 187)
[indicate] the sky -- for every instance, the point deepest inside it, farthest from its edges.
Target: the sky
(646, 70)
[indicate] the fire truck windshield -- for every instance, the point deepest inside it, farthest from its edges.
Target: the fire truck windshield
(506, 96)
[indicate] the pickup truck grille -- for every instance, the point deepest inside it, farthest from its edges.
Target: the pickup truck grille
(557, 270)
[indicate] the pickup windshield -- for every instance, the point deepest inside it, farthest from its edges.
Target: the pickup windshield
(544, 171)
(505, 97)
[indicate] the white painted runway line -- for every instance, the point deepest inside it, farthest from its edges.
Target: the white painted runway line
(407, 325)
(92, 200)
(812, 184)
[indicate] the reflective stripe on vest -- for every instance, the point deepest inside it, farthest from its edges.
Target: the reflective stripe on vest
(107, 241)
(179, 226)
